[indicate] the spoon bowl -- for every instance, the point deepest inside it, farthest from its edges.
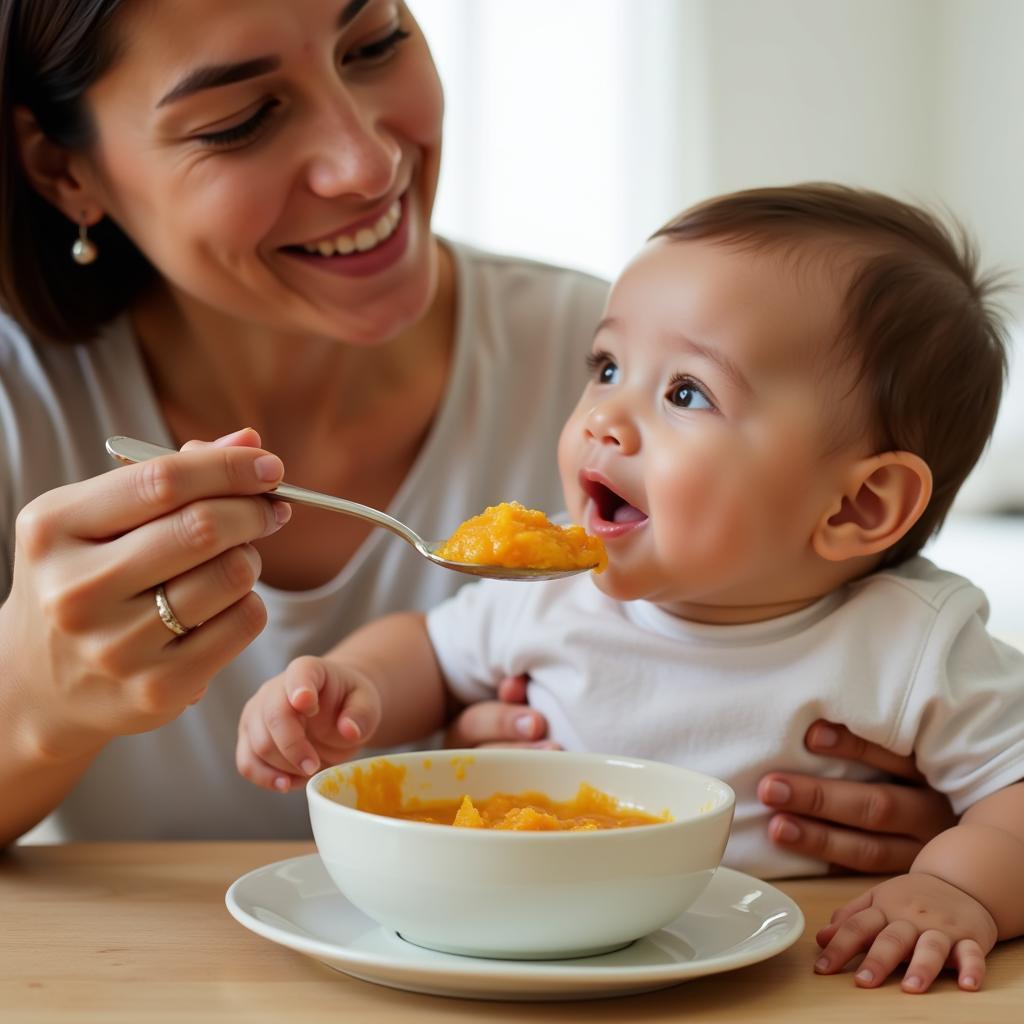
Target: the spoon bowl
(130, 450)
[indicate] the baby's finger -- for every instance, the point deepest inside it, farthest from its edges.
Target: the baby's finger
(252, 767)
(893, 945)
(969, 960)
(360, 714)
(287, 732)
(930, 956)
(852, 937)
(824, 935)
(304, 678)
(264, 746)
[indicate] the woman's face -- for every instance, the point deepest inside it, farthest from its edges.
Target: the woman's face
(276, 161)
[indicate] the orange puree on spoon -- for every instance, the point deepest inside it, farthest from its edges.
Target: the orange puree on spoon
(514, 536)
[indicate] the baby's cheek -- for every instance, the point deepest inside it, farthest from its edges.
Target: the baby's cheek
(568, 468)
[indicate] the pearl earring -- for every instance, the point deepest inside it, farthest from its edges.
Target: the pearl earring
(84, 251)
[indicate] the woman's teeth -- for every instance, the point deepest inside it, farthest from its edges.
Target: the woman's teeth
(364, 239)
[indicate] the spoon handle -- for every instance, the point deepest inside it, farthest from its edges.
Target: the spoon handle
(129, 449)
(304, 496)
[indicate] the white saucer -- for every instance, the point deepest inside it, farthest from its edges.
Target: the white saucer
(739, 920)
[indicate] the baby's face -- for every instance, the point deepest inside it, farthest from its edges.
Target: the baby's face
(700, 449)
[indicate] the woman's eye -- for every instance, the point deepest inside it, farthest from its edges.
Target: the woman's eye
(603, 368)
(686, 393)
(378, 52)
(238, 134)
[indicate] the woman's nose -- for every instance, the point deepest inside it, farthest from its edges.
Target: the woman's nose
(353, 153)
(609, 423)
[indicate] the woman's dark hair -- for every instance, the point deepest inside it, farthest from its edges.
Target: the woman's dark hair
(920, 324)
(51, 52)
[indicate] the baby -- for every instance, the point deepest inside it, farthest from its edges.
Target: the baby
(788, 387)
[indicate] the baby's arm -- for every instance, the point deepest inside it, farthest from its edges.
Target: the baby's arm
(964, 892)
(381, 683)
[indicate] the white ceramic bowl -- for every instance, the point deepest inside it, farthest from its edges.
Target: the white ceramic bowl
(523, 895)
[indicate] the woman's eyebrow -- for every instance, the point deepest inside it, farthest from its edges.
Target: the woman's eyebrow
(350, 10)
(215, 75)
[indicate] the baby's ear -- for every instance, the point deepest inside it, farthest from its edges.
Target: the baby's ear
(884, 496)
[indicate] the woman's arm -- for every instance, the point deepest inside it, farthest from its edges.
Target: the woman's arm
(84, 655)
(33, 779)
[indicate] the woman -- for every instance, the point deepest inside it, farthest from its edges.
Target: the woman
(226, 207)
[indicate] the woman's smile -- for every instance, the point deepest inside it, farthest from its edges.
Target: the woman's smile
(367, 247)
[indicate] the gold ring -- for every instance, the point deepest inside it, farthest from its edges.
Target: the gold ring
(167, 617)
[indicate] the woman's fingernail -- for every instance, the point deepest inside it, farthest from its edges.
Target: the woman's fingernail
(912, 982)
(309, 766)
(969, 982)
(821, 964)
(825, 736)
(787, 831)
(525, 726)
(282, 784)
(776, 792)
(866, 976)
(268, 468)
(227, 439)
(281, 512)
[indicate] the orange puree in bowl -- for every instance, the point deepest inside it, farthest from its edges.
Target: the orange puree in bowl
(379, 791)
(517, 537)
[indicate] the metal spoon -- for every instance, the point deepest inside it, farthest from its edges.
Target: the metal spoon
(128, 449)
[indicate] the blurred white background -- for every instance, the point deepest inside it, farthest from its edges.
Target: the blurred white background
(576, 127)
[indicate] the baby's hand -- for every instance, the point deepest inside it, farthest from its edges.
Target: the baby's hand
(316, 712)
(916, 917)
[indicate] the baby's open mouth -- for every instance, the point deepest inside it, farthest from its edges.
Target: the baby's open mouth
(611, 506)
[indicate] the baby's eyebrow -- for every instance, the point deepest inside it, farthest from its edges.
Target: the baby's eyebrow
(728, 366)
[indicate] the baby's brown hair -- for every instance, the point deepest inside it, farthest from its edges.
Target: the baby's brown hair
(918, 319)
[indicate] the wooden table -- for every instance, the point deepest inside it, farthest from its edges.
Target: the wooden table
(138, 932)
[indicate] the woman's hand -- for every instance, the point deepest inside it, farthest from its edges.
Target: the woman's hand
(505, 722)
(856, 826)
(86, 656)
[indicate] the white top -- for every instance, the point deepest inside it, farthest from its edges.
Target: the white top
(902, 657)
(522, 333)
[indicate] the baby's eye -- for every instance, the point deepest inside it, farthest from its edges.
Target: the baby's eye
(603, 368)
(686, 393)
